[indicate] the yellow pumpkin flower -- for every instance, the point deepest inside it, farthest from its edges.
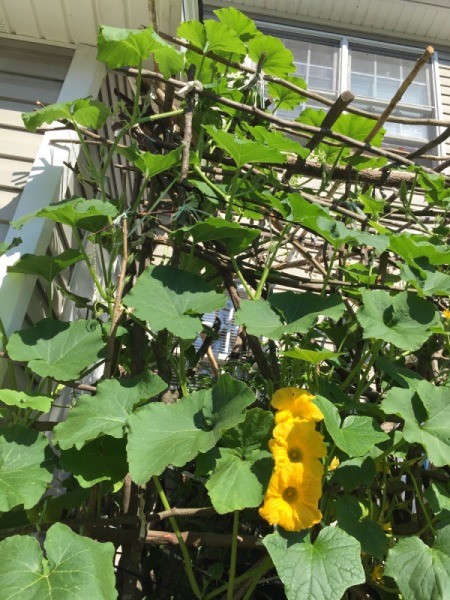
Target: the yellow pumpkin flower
(295, 403)
(298, 442)
(335, 462)
(446, 313)
(291, 498)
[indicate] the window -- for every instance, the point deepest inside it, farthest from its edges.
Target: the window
(331, 64)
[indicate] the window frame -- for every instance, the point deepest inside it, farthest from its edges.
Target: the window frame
(344, 43)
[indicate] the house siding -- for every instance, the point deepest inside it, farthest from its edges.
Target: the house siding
(29, 73)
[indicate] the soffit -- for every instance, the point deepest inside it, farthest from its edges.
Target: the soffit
(69, 22)
(425, 21)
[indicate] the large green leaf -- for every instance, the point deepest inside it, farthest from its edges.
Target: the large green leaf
(25, 467)
(427, 280)
(233, 236)
(74, 567)
(107, 411)
(356, 436)
(369, 534)
(163, 434)
(411, 246)
(119, 47)
(31, 400)
(300, 311)
(47, 267)
(57, 349)
(129, 47)
(244, 151)
(438, 497)
(421, 572)
(285, 98)
(169, 298)
(103, 459)
(277, 140)
(313, 357)
(402, 319)
(151, 164)
(358, 128)
(319, 570)
(212, 36)
(92, 215)
(426, 412)
(275, 58)
(241, 466)
(244, 27)
(84, 111)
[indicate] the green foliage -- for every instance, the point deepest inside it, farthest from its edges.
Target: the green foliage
(315, 570)
(47, 267)
(169, 298)
(239, 468)
(164, 434)
(341, 287)
(402, 319)
(88, 419)
(84, 112)
(57, 349)
(25, 467)
(73, 566)
(420, 571)
(425, 410)
(356, 435)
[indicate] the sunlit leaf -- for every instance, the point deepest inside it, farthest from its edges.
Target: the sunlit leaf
(244, 27)
(88, 418)
(46, 266)
(25, 467)
(163, 434)
(57, 349)
(314, 571)
(172, 299)
(356, 435)
(92, 215)
(276, 58)
(284, 97)
(239, 468)
(421, 572)
(85, 112)
(313, 357)
(402, 319)
(74, 567)
(244, 151)
(31, 400)
(426, 412)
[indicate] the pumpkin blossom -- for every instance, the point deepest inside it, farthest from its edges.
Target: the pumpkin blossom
(335, 462)
(291, 498)
(294, 403)
(298, 441)
(446, 313)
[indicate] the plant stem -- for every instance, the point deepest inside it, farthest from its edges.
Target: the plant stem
(269, 263)
(420, 500)
(241, 277)
(87, 260)
(232, 574)
(10, 366)
(187, 559)
(265, 565)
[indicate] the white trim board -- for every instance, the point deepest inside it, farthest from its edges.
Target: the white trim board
(47, 183)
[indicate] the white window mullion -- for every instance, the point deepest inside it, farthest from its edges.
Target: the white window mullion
(344, 67)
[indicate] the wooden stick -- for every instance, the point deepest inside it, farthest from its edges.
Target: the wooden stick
(429, 50)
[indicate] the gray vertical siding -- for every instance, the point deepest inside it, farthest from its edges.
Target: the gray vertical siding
(29, 73)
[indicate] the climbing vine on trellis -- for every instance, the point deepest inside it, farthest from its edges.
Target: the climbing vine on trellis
(332, 248)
